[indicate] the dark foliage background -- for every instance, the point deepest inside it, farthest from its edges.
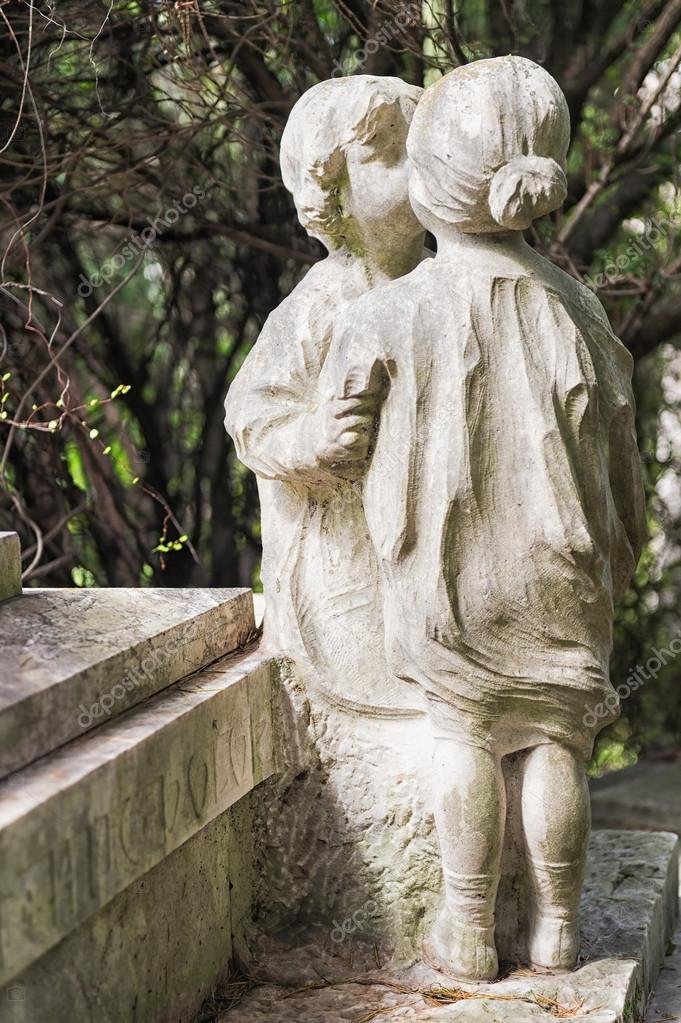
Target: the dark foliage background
(118, 342)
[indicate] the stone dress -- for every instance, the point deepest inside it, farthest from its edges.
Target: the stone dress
(504, 497)
(319, 571)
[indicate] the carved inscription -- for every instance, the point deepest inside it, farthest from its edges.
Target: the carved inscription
(56, 872)
(98, 853)
(142, 825)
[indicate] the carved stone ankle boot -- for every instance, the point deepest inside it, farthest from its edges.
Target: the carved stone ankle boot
(554, 941)
(463, 950)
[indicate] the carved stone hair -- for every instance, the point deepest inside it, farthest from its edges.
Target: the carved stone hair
(323, 123)
(488, 145)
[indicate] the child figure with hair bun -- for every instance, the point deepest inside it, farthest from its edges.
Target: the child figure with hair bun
(503, 498)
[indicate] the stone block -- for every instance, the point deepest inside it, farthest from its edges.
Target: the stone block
(73, 659)
(10, 565)
(629, 909)
(156, 951)
(666, 1004)
(84, 823)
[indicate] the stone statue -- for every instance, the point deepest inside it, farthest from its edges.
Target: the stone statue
(343, 157)
(452, 504)
(503, 499)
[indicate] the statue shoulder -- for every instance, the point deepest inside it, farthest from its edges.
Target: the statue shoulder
(392, 301)
(304, 311)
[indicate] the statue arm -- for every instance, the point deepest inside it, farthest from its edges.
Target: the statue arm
(624, 461)
(626, 480)
(355, 380)
(270, 411)
(293, 418)
(289, 424)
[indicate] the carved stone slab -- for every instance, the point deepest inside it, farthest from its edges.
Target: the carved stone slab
(157, 949)
(72, 659)
(10, 565)
(87, 821)
(629, 905)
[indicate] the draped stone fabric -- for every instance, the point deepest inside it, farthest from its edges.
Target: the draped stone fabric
(319, 570)
(504, 495)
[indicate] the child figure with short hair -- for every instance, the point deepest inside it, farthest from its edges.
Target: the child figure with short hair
(503, 499)
(343, 157)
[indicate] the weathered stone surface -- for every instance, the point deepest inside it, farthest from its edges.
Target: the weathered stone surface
(10, 565)
(666, 1004)
(647, 795)
(452, 504)
(157, 950)
(84, 823)
(629, 905)
(73, 658)
(350, 185)
(346, 821)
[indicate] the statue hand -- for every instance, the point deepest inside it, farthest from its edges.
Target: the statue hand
(346, 429)
(348, 424)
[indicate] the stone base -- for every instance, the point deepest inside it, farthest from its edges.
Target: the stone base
(666, 1004)
(629, 910)
(81, 825)
(156, 951)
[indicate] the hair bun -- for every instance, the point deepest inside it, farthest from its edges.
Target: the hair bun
(526, 188)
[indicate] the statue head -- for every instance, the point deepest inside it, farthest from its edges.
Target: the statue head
(488, 146)
(344, 159)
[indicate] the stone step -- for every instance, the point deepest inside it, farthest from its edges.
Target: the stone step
(73, 658)
(84, 823)
(665, 1006)
(648, 796)
(629, 911)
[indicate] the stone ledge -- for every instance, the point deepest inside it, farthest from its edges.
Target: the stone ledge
(73, 658)
(629, 908)
(157, 950)
(10, 565)
(87, 821)
(666, 1003)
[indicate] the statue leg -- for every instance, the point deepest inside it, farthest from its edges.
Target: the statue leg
(470, 807)
(556, 821)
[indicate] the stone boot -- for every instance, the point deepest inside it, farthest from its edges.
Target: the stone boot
(463, 950)
(554, 941)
